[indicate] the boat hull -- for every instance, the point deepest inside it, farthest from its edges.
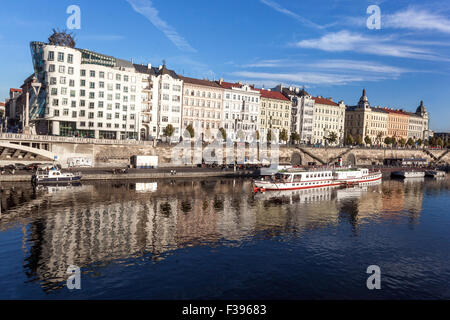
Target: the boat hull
(408, 174)
(55, 180)
(271, 186)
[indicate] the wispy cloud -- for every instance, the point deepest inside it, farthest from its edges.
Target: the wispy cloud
(146, 8)
(417, 19)
(315, 78)
(384, 46)
(329, 64)
(291, 14)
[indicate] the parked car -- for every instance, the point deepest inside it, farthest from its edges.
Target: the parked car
(20, 166)
(45, 166)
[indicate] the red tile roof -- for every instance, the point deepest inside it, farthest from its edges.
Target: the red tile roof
(229, 85)
(200, 82)
(15, 90)
(394, 111)
(324, 101)
(272, 95)
(2, 104)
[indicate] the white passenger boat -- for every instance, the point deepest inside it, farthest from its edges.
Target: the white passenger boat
(54, 176)
(317, 178)
(435, 173)
(408, 174)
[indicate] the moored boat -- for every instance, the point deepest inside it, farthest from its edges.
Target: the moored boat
(408, 174)
(435, 173)
(316, 178)
(54, 176)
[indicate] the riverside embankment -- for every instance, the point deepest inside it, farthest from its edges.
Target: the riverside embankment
(136, 174)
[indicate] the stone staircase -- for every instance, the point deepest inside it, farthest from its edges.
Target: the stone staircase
(342, 154)
(311, 155)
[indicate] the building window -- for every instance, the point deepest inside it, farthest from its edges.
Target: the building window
(61, 56)
(92, 73)
(51, 68)
(51, 56)
(83, 73)
(62, 69)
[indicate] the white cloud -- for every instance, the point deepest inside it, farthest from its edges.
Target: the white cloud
(289, 13)
(385, 46)
(145, 8)
(360, 66)
(417, 19)
(330, 64)
(315, 78)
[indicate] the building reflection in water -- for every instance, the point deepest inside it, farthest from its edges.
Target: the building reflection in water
(94, 225)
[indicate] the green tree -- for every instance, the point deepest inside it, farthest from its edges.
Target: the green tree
(393, 141)
(387, 141)
(402, 142)
(168, 131)
(359, 140)
(410, 142)
(191, 131)
(380, 137)
(332, 137)
(224, 133)
(419, 142)
(367, 140)
(349, 140)
(284, 136)
(295, 137)
(269, 135)
(439, 142)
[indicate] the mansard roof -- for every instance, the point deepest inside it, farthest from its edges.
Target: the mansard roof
(200, 82)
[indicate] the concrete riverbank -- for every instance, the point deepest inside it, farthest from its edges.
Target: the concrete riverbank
(91, 175)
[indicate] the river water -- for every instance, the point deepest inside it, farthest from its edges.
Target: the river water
(215, 239)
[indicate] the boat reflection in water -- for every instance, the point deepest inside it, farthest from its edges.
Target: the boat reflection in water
(94, 225)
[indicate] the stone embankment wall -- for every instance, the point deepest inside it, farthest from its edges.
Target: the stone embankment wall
(107, 155)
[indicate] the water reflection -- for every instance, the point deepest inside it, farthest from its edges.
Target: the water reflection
(96, 224)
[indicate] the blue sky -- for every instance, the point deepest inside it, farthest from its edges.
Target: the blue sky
(323, 45)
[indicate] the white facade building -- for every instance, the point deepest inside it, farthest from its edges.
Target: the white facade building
(85, 94)
(162, 91)
(329, 117)
(241, 104)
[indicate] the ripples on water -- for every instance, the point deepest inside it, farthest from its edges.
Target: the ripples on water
(216, 239)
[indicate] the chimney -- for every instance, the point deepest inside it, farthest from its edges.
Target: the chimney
(149, 66)
(160, 67)
(330, 98)
(220, 80)
(291, 88)
(269, 89)
(297, 90)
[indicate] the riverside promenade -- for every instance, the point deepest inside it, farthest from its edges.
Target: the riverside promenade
(92, 174)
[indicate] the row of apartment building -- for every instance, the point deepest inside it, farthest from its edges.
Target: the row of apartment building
(78, 92)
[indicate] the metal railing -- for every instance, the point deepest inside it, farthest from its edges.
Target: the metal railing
(44, 138)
